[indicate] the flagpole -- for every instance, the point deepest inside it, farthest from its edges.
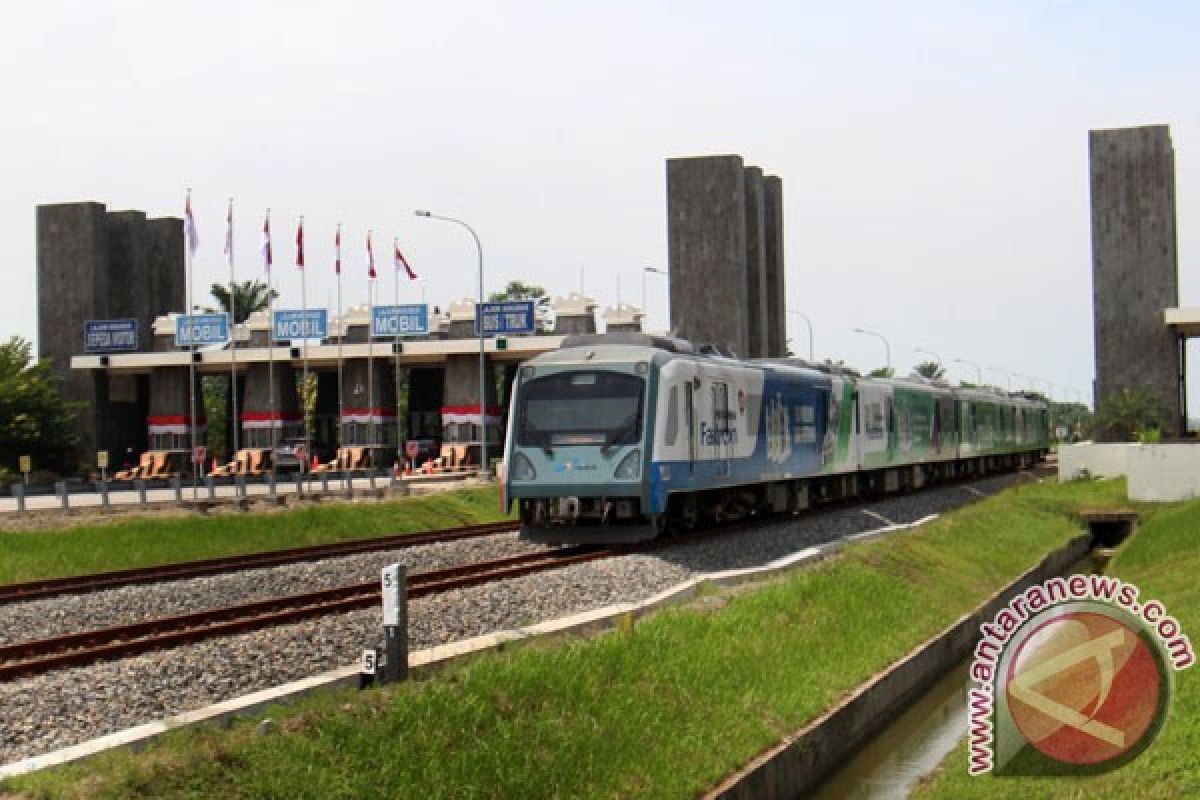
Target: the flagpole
(188, 247)
(395, 349)
(270, 344)
(341, 432)
(370, 357)
(233, 334)
(304, 345)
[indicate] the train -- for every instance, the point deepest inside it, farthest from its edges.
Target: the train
(626, 437)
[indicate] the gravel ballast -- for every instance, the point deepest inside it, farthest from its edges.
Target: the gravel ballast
(62, 708)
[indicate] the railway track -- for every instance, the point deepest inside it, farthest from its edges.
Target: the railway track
(32, 590)
(79, 649)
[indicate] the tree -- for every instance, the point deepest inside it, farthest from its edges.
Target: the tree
(34, 419)
(882, 372)
(931, 370)
(1129, 415)
(248, 296)
(518, 290)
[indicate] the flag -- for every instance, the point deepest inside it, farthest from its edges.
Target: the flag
(370, 258)
(266, 243)
(300, 245)
(337, 251)
(189, 226)
(401, 261)
(229, 233)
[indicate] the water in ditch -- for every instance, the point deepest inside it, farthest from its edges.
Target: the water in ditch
(910, 748)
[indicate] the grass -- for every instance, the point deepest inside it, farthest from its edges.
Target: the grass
(663, 710)
(145, 541)
(1162, 559)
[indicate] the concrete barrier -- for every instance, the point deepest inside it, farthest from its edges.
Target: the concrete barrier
(1163, 473)
(801, 762)
(1108, 460)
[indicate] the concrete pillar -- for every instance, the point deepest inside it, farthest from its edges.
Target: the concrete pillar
(168, 423)
(369, 414)
(756, 265)
(1135, 273)
(460, 397)
(706, 230)
(461, 317)
(258, 417)
(776, 294)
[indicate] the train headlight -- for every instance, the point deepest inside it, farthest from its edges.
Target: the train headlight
(522, 469)
(630, 468)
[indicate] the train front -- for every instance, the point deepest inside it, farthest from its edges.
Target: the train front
(578, 445)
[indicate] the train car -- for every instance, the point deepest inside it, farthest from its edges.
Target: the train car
(622, 437)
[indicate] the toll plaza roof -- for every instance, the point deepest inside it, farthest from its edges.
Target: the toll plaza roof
(412, 353)
(1183, 321)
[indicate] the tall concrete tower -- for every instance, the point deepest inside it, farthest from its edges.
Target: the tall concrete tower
(1135, 273)
(725, 245)
(95, 264)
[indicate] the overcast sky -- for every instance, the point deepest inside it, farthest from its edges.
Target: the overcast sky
(933, 155)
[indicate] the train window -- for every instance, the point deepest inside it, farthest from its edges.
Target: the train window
(873, 421)
(603, 408)
(672, 433)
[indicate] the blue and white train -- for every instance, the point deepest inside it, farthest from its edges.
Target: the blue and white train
(621, 437)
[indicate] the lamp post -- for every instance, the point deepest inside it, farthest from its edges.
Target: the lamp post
(887, 348)
(807, 321)
(656, 271)
(1006, 373)
(969, 363)
(483, 462)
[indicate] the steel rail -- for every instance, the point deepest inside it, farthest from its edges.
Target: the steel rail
(86, 647)
(79, 584)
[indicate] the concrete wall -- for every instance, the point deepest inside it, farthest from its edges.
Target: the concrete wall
(725, 245)
(1163, 473)
(461, 381)
(1105, 460)
(1135, 273)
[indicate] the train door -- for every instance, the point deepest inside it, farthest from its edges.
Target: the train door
(723, 430)
(689, 417)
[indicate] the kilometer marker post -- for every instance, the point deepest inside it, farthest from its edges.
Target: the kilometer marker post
(395, 623)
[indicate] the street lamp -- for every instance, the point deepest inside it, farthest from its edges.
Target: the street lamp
(969, 363)
(1006, 373)
(808, 321)
(656, 271)
(483, 462)
(887, 348)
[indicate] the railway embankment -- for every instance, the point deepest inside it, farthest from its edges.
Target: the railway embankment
(1162, 559)
(665, 708)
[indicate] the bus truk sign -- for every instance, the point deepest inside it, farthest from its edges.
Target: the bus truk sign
(512, 316)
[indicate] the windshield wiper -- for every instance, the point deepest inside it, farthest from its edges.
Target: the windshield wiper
(615, 436)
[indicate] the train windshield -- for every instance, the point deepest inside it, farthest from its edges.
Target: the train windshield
(581, 408)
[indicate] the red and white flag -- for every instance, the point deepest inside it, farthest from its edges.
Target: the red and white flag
(229, 233)
(370, 258)
(337, 251)
(265, 248)
(402, 262)
(300, 244)
(189, 226)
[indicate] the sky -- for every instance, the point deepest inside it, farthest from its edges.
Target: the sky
(933, 155)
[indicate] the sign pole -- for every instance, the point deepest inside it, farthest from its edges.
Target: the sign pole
(341, 431)
(396, 354)
(304, 342)
(370, 359)
(236, 422)
(270, 349)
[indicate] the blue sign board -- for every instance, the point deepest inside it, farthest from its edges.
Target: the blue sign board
(310, 323)
(410, 320)
(200, 329)
(110, 335)
(512, 316)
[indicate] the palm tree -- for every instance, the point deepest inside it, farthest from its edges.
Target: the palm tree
(248, 297)
(931, 370)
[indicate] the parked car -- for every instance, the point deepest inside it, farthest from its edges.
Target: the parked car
(288, 451)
